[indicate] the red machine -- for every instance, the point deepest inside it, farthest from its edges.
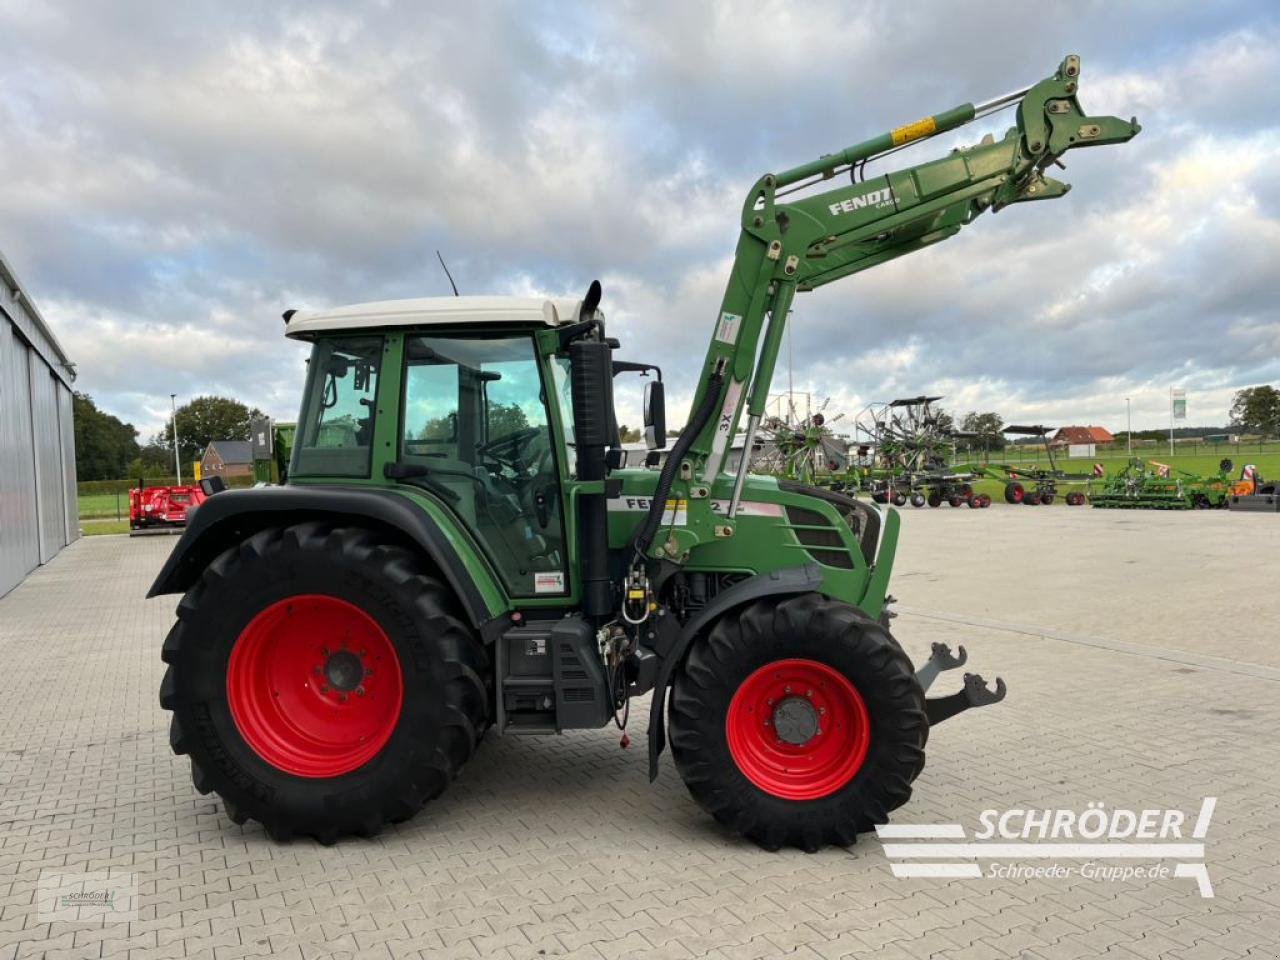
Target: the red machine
(159, 508)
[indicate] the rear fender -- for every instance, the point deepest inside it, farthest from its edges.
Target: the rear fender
(791, 581)
(231, 516)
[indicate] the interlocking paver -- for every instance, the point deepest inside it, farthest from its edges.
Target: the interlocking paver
(1138, 677)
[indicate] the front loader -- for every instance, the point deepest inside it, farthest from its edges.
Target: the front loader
(459, 546)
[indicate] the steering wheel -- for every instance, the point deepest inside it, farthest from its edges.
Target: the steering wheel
(508, 450)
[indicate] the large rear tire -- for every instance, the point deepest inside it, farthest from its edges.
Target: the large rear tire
(1014, 492)
(824, 756)
(322, 683)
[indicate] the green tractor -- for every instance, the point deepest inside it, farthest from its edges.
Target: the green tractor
(458, 545)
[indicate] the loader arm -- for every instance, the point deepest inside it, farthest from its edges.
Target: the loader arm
(803, 243)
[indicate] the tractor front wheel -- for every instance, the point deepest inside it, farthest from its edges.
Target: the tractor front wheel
(322, 683)
(798, 722)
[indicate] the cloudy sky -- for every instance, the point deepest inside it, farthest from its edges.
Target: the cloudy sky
(175, 175)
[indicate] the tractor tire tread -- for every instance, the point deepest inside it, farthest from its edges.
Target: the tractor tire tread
(328, 809)
(697, 739)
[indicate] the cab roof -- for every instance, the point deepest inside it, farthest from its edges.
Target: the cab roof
(434, 311)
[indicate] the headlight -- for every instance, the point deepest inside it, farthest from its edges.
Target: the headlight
(147, 508)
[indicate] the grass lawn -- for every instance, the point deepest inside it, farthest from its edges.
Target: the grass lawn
(104, 505)
(96, 528)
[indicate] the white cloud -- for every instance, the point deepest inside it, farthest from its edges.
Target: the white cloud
(177, 176)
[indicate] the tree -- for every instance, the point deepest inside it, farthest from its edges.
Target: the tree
(1257, 409)
(153, 460)
(203, 420)
(506, 419)
(987, 426)
(628, 435)
(104, 444)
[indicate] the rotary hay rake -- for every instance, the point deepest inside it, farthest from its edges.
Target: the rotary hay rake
(908, 441)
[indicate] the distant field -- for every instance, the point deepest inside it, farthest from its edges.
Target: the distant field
(104, 505)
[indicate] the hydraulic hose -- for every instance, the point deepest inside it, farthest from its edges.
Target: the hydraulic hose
(706, 409)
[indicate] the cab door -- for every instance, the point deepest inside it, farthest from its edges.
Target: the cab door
(475, 415)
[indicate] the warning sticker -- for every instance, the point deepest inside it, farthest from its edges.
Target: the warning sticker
(724, 426)
(727, 331)
(914, 131)
(548, 581)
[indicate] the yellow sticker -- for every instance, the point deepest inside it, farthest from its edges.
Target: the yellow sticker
(914, 131)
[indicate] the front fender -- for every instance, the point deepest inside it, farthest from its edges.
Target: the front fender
(791, 581)
(230, 516)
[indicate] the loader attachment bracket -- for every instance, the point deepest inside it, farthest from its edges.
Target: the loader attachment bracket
(940, 658)
(975, 693)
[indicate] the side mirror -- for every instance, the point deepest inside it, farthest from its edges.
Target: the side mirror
(655, 415)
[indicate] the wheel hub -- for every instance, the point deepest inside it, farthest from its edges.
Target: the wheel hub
(795, 721)
(344, 671)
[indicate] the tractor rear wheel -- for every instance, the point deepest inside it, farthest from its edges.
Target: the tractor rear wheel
(798, 722)
(1014, 492)
(322, 682)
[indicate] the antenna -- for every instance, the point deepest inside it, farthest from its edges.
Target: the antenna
(447, 273)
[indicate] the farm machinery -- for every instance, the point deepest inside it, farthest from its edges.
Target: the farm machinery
(908, 442)
(162, 509)
(457, 546)
(1252, 494)
(798, 447)
(1037, 485)
(1149, 485)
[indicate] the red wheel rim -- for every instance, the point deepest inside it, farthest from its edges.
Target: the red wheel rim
(314, 686)
(1017, 493)
(798, 729)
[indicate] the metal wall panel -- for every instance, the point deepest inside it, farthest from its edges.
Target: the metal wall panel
(19, 530)
(67, 434)
(51, 508)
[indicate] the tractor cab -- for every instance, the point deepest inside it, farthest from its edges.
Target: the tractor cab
(468, 399)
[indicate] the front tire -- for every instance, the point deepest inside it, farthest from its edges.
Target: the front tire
(825, 756)
(321, 682)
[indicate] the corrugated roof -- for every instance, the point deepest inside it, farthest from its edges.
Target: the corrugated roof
(25, 315)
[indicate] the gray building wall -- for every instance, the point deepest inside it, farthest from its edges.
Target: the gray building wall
(38, 510)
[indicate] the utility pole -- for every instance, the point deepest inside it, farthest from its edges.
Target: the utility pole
(177, 460)
(1128, 415)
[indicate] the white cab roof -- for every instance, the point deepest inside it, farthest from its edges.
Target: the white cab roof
(435, 311)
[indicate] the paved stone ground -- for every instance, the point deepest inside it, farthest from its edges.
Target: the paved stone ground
(1149, 679)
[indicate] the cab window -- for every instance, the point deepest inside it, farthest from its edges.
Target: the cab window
(335, 430)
